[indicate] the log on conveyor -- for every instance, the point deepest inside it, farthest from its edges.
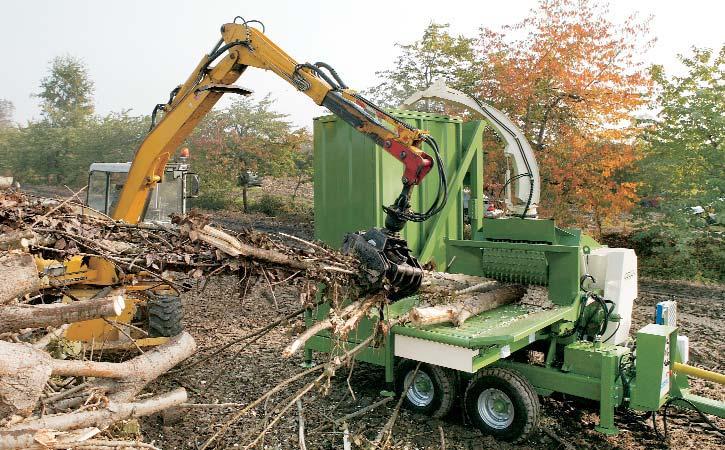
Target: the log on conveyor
(13, 318)
(466, 305)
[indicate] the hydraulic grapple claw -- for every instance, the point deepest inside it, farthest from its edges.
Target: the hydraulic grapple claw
(385, 260)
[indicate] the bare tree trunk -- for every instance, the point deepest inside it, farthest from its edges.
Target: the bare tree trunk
(466, 306)
(300, 179)
(245, 201)
(18, 317)
(233, 247)
(18, 276)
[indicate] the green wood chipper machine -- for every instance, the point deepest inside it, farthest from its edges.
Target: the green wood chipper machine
(582, 337)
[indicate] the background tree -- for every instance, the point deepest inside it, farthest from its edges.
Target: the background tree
(437, 54)
(6, 113)
(684, 157)
(570, 77)
(7, 130)
(247, 135)
(682, 168)
(66, 93)
(41, 154)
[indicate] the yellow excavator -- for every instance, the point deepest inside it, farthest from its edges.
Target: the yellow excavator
(243, 44)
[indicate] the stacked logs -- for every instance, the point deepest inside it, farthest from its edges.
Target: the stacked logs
(50, 402)
(46, 402)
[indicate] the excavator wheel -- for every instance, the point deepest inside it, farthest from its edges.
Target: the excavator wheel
(165, 313)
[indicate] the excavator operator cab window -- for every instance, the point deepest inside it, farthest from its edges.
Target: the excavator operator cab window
(166, 198)
(106, 181)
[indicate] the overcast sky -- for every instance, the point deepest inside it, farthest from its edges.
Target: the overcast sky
(137, 51)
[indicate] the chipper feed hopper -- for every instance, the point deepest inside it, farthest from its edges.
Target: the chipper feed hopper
(499, 362)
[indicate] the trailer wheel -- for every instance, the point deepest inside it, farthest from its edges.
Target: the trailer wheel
(164, 315)
(503, 404)
(431, 393)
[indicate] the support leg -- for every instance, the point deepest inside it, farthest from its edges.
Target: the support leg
(608, 395)
(308, 362)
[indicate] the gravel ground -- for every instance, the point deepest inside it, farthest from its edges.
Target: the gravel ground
(242, 373)
(218, 314)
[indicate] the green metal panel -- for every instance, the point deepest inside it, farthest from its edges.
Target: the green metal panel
(651, 386)
(516, 229)
(584, 357)
(354, 178)
(562, 262)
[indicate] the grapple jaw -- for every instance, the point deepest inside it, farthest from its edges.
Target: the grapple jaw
(386, 261)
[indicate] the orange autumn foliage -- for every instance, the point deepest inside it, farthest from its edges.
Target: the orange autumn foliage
(573, 80)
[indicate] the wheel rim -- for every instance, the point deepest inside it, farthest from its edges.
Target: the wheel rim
(495, 408)
(421, 390)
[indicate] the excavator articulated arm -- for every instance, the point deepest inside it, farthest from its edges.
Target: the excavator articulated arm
(242, 46)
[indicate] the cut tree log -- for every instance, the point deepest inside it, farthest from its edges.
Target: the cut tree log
(23, 374)
(18, 276)
(335, 320)
(25, 370)
(45, 439)
(234, 247)
(101, 418)
(35, 316)
(466, 306)
(132, 375)
(17, 240)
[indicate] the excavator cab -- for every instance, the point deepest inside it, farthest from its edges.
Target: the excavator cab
(106, 181)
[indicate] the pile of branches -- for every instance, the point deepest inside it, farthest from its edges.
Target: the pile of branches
(46, 402)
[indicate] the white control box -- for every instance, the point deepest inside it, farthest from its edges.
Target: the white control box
(615, 272)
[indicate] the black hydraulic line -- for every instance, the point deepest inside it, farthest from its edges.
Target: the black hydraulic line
(333, 72)
(247, 22)
(320, 73)
(157, 108)
(399, 208)
(692, 405)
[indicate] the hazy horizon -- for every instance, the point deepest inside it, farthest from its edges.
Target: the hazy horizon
(137, 51)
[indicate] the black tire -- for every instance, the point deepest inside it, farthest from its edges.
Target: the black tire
(503, 404)
(165, 313)
(439, 393)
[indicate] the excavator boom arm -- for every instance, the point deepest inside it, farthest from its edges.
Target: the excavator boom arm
(243, 46)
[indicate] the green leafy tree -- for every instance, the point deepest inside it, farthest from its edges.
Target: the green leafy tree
(685, 158)
(683, 168)
(66, 93)
(436, 55)
(42, 154)
(247, 135)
